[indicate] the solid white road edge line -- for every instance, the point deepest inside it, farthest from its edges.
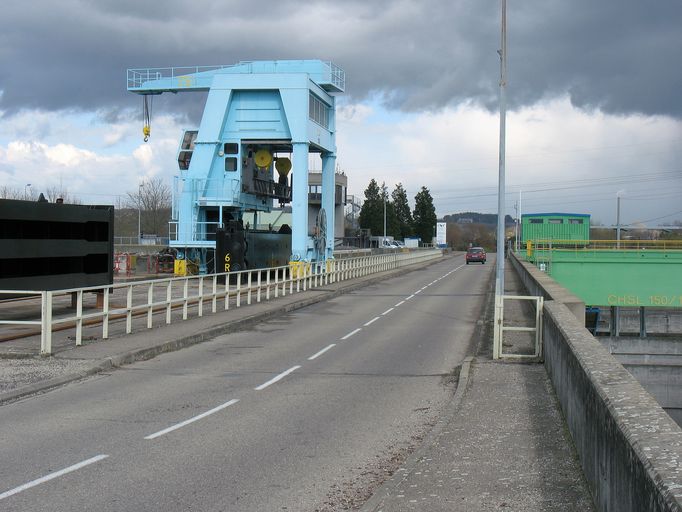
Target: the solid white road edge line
(191, 420)
(279, 377)
(351, 333)
(50, 476)
(321, 352)
(371, 321)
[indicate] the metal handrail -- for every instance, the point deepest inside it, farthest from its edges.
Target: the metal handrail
(601, 245)
(197, 290)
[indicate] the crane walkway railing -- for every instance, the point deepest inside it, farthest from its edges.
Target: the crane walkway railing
(214, 292)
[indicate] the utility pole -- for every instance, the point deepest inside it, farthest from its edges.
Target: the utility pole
(518, 242)
(516, 226)
(139, 212)
(383, 191)
(499, 280)
(618, 220)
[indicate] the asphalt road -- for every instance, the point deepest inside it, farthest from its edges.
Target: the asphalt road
(304, 412)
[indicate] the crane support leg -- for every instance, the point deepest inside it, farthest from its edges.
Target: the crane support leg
(328, 198)
(299, 203)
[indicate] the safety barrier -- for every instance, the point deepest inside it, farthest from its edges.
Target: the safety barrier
(163, 295)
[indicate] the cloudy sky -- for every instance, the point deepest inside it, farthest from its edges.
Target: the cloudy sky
(594, 91)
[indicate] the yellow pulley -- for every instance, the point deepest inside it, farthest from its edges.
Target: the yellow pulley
(283, 166)
(263, 158)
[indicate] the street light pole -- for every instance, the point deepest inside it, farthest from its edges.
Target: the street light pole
(499, 278)
(618, 220)
(139, 213)
(383, 189)
(27, 186)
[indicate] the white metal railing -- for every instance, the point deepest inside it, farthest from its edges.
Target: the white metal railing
(500, 328)
(146, 298)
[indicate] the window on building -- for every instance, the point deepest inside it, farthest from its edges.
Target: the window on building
(556, 221)
(318, 111)
(575, 221)
(230, 164)
(231, 148)
(535, 221)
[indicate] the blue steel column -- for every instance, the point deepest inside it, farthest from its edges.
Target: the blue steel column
(299, 203)
(328, 198)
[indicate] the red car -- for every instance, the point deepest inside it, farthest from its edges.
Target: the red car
(476, 254)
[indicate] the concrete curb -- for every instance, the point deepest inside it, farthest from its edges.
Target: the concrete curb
(388, 487)
(46, 385)
(205, 335)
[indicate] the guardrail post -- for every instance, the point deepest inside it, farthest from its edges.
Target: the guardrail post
(239, 289)
(129, 310)
(46, 324)
(169, 302)
(267, 285)
(105, 314)
(248, 291)
(227, 292)
(214, 302)
(184, 297)
(79, 318)
(150, 305)
(258, 283)
(201, 297)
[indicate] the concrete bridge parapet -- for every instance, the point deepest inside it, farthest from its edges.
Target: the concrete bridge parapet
(629, 448)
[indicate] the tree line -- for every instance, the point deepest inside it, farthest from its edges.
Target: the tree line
(401, 222)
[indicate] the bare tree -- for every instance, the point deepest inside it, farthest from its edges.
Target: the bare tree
(152, 199)
(54, 193)
(10, 193)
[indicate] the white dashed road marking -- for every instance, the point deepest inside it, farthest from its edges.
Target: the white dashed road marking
(51, 476)
(321, 352)
(351, 333)
(191, 420)
(278, 378)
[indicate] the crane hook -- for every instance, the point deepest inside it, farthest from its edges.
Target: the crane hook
(147, 116)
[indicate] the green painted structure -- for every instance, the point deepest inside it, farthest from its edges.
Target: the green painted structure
(647, 276)
(555, 226)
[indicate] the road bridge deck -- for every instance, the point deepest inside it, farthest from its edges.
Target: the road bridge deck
(285, 442)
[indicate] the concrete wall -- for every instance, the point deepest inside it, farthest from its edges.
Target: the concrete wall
(629, 448)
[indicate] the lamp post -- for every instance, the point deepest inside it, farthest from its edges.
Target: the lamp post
(139, 213)
(383, 190)
(499, 279)
(26, 187)
(618, 220)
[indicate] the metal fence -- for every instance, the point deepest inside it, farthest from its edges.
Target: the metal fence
(201, 292)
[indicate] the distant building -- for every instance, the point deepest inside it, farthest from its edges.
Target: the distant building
(555, 226)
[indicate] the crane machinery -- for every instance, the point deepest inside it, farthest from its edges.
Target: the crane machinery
(259, 117)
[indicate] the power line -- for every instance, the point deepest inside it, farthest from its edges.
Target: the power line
(655, 218)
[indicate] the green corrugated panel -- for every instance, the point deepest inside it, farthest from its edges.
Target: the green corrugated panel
(551, 231)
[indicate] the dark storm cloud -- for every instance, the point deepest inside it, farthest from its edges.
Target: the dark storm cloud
(621, 56)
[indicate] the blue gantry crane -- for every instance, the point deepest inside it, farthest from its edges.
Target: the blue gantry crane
(260, 117)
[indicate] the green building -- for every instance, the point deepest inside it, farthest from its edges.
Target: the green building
(555, 226)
